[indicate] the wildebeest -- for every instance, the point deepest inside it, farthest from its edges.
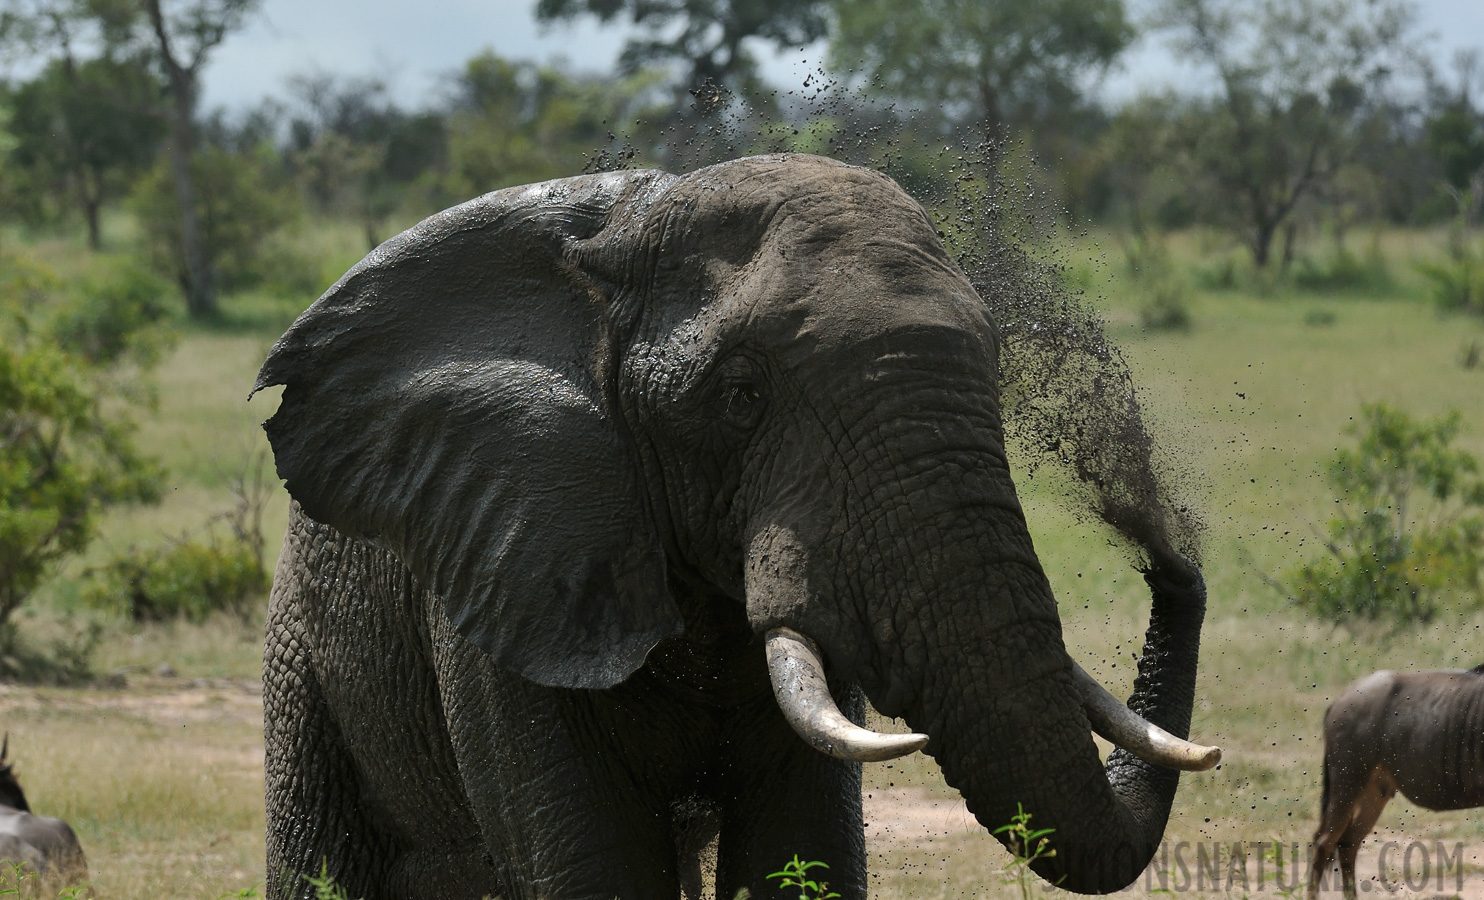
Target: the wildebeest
(38, 844)
(1421, 733)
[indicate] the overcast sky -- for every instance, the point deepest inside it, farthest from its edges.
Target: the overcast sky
(411, 46)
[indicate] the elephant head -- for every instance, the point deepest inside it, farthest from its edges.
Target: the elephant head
(576, 410)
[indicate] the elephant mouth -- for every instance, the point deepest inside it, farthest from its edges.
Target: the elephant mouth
(797, 672)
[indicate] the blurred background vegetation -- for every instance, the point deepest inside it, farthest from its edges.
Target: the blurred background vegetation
(1323, 152)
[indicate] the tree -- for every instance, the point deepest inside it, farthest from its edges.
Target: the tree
(177, 37)
(1296, 82)
(90, 125)
(182, 43)
(1455, 137)
(355, 152)
(514, 122)
(66, 445)
(706, 36)
(991, 63)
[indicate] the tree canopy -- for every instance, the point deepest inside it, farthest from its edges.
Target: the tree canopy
(986, 62)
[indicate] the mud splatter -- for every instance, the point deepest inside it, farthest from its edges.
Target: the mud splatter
(1069, 401)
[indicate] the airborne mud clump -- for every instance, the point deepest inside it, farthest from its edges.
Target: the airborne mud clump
(1067, 393)
(1068, 399)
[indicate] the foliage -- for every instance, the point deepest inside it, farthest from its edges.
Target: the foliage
(516, 122)
(87, 126)
(1027, 845)
(1456, 282)
(1168, 308)
(1409, 523)
(189, 580)
(66, 452)
(20, 880)
(242, 201)
(355, 153)
(194, 576)
(706, 36)
(987, 64)
(1455, 130)
(1302, 84)
(1343, 270)
(324, 884)
(795, 874)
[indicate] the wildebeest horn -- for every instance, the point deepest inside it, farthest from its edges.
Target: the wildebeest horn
(797, 672)
(1129, 730)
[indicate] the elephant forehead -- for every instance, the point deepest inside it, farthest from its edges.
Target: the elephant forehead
(810, 252)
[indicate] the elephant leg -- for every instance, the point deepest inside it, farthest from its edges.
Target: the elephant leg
(1379, 790)
(563, 813)
(783, 798)
(314, 816)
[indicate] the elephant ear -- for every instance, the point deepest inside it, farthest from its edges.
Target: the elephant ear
(445, 399)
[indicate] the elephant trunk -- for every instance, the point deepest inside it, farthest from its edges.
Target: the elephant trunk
(1032, 749)
(1009, 718)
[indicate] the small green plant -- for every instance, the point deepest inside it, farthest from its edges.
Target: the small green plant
(324, 884)
(1409, 523)
(796, 874)
(1273, 852)
(1026, 845)
(18, 879)
(190, 579)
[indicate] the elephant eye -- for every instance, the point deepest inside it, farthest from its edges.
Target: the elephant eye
(741, 403)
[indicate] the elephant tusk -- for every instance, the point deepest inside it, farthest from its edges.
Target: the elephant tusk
(797, 673)
(1127, 729)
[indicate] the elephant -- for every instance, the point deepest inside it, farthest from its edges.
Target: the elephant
(1414, 732)
(615, 497)
(40, 846)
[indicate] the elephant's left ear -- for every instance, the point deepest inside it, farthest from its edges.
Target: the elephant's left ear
(445, 400)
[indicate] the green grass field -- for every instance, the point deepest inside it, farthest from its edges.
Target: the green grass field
(162, 777)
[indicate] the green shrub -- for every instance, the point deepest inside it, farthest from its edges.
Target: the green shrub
(66, 449)
(191, 579)
(1168, 307)
(241, 203)
(1343, 270)
(1409, 525)
(1457, 282)
(120, 316)
(1220, 276)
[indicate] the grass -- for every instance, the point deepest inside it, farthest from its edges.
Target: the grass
(162, 778)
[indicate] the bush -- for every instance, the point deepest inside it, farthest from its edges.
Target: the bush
(1343, 270)
(1410, 525)
(1168, 308)
(241, 203)
(66, 449)
(191, 579)
(1457, 282)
